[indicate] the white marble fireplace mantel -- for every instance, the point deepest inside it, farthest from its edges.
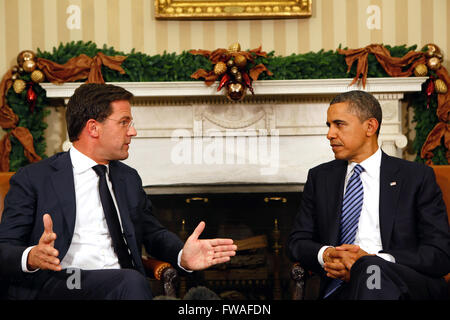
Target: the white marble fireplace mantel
(191, 138)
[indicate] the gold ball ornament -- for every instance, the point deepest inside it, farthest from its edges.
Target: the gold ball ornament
(19, 85)
(434, 63)
(235, 47)
(240, 61)
(432, 50)
(25, 55)
(230, 63)
(236, 91)
(420, 70)
(440, 86)
(37, 76)
(220, 68)
(234, 70)
(29, 65)
(238, 77)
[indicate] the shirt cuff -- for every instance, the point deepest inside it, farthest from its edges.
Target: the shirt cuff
(386, 256)
(179, 262)
(320, 255)
(25, 259)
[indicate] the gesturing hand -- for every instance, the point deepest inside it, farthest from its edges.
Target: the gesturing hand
(44, 255)
(200, 254)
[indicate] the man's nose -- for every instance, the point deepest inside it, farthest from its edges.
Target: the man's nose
(331, 134)
(132, 131)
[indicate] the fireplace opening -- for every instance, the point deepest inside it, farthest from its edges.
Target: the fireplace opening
(259, 223)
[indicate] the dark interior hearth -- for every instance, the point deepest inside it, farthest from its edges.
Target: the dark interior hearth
(258, 222)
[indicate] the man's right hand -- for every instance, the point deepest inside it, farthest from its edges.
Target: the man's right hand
(44, 255)
(334, 266)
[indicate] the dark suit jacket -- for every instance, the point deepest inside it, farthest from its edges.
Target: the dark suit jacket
(413, 220)
(48, 187)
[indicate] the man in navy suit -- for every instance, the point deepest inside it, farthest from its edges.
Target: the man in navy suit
(401, 246)
(54, 223)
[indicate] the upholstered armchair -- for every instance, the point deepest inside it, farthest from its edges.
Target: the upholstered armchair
(300, 276)
(157, 270)
(442, 173)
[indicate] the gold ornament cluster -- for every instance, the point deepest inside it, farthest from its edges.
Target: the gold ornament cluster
(434, 60)
(234, 69)
(233, 75)
(26, 63)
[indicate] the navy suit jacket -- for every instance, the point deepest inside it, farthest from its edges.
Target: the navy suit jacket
(413, 221)
(48, 187)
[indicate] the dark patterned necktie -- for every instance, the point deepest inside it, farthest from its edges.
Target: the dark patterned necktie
(112, 219)
(351, 210)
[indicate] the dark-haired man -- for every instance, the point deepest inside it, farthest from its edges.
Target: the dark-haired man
(374, 226)
(84, 212)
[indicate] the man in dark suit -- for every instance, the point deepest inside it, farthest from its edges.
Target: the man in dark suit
(84, 214)
(373, 226)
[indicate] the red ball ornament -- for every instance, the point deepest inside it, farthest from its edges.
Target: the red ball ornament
(31, 98)
(429, 91)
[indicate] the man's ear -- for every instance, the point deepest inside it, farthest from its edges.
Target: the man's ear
(372, 126)
(92, 128)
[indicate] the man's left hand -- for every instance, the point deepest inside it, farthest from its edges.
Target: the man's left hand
(342, 257)
(200, 254)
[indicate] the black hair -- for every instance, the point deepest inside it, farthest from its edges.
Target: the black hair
(362, 104)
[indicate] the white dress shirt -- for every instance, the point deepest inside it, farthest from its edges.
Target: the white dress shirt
(368, 236)
(91, 247)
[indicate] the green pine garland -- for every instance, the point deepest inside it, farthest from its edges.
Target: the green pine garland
(140, 67)
(34, 121)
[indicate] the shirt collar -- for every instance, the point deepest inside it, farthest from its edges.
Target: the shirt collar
(371, 165)
(81, 162)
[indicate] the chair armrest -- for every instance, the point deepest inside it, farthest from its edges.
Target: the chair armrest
(155, 268)
(162, 271)
(298, 274)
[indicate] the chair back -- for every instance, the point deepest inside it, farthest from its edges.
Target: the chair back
(4, 188)
(442, 173)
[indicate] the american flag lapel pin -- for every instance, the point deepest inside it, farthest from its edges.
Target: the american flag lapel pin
(393, 183)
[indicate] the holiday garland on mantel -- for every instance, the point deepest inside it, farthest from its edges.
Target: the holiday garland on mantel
(27, 99)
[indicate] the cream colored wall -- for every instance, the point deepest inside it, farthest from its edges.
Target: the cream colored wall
(127, 24)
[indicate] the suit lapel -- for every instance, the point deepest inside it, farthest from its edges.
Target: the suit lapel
(64, 189)
(390, 184)
(335, 179)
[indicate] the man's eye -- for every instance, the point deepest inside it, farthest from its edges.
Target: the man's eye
(124, 123)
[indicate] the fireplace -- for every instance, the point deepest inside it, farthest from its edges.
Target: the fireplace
(259, 222)
(241, 166)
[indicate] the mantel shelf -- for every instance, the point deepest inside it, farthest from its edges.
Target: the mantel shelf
(261, 87)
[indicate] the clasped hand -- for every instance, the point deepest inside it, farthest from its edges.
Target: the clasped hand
(339, 260)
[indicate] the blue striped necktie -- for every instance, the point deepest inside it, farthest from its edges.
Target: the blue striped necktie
(351, 210)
